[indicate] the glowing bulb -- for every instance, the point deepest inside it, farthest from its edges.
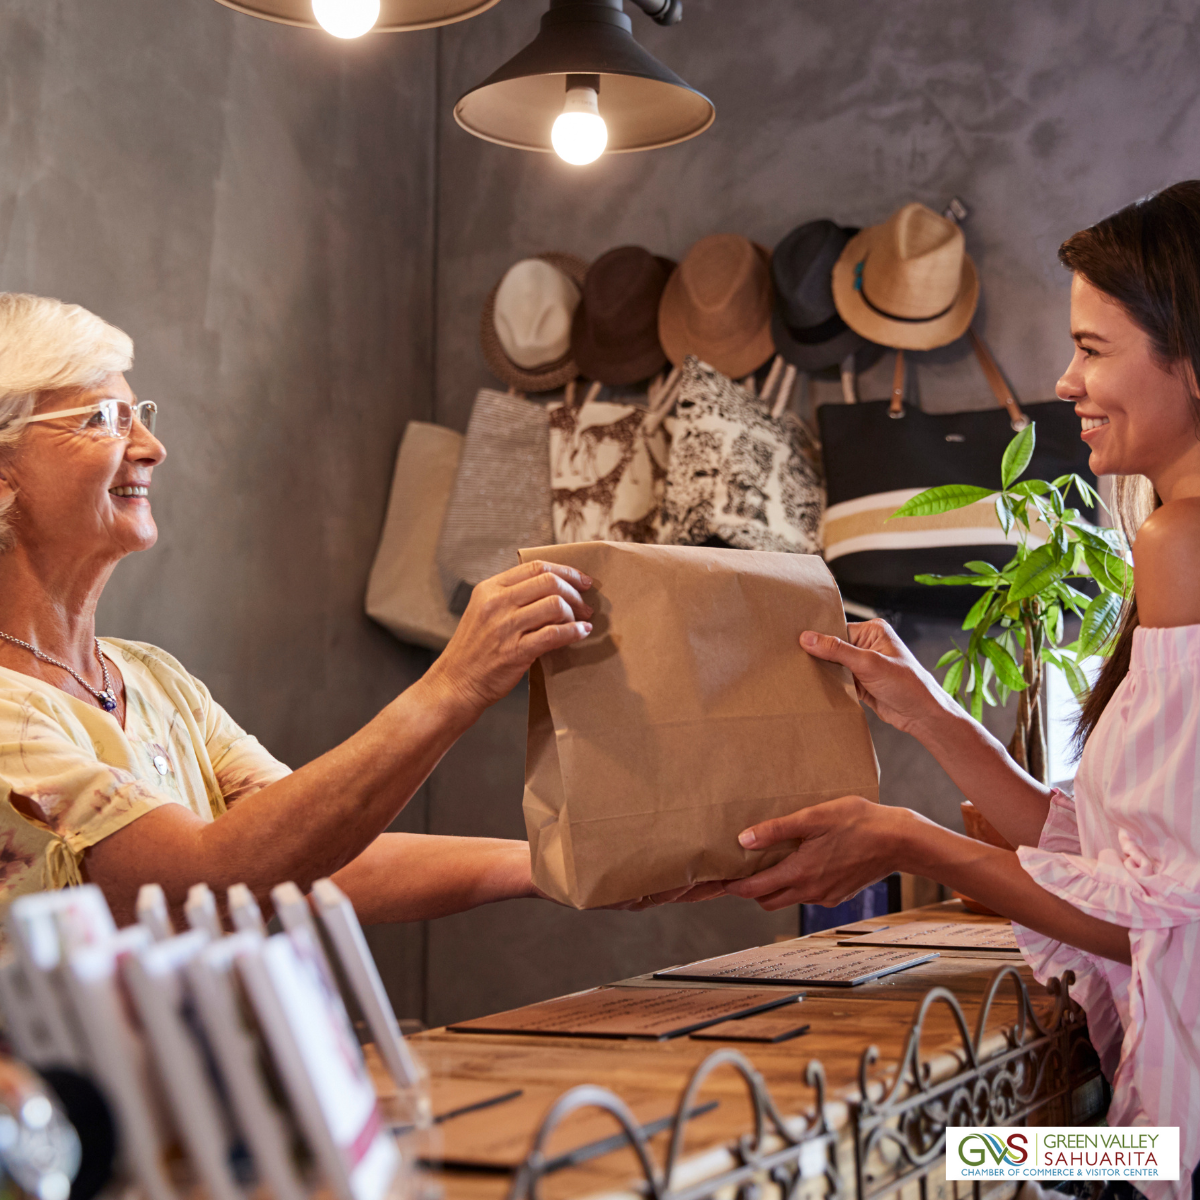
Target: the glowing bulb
(346, 18)
(580, 134)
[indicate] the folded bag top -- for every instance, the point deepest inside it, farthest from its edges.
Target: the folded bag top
(717, 305)
(614, 336)
(690, 713)
(525, 329)
(908, 283)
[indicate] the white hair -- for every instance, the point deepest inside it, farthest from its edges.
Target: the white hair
(45, 346)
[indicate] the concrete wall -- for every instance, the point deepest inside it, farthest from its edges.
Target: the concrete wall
(252, 203)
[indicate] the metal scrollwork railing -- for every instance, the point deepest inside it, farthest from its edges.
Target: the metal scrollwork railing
(780, 1152)
(900, 1128)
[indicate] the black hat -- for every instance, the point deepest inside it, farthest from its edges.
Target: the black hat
(805, 323)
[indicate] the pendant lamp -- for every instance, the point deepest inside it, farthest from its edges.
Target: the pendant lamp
(395, 16)
(582, 77)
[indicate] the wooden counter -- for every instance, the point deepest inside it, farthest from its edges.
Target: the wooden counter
(844, 1023)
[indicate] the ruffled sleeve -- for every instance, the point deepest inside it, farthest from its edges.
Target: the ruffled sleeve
(1049, 958)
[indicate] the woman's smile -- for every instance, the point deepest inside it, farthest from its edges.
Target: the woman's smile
(130, 491)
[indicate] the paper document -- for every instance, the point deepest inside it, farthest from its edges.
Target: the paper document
(942, 935)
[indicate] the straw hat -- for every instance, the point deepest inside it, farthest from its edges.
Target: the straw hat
(526, 324)
(908, 283)
(614, 337)
(805, 325)
(717, 306)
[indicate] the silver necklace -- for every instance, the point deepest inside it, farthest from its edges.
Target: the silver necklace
(106, 699)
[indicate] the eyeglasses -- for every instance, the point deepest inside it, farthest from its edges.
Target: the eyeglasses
(110, 418)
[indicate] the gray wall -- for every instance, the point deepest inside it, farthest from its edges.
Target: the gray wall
(299, 239)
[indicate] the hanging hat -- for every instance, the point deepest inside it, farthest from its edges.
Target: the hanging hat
(805, 325)
(526, 325)
(908, 283)
(717, 306)
(614, 337)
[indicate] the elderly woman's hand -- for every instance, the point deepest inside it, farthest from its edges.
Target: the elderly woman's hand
(513, 619)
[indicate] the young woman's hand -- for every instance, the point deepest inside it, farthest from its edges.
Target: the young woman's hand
(511, 620)
(888, 677)
(845, 845)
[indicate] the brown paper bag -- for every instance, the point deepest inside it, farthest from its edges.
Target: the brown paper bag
(690, 713)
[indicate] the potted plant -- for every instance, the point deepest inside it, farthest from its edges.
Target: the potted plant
(1016, 625)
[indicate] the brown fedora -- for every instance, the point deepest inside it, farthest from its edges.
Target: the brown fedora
(908, 283)
(560, 368)
(717, 306)
(614, 336)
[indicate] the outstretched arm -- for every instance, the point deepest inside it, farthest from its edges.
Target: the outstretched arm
(901, 692)
(322, 817)
(849, 843)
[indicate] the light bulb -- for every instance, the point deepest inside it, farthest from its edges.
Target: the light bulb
(580, 134)
(346, 18)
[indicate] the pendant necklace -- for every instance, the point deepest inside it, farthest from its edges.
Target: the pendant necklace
(106, 699)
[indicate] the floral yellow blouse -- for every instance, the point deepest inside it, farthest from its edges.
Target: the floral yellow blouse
(82, 777)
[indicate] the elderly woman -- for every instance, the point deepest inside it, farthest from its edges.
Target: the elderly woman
(117, 766)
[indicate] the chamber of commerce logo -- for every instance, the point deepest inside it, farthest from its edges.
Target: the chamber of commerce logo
(1045, 1152)
(978, 1149)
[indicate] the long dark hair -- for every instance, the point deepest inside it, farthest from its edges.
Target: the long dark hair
(1147, 258)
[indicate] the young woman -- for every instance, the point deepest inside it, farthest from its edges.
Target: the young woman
(1108, 884)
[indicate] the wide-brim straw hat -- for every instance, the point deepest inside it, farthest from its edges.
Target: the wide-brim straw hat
(545, 378)
(717, 306)
(614, 336)
(908, 283)
(806, 326)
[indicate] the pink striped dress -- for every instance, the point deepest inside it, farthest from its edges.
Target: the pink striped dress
(1127, 850)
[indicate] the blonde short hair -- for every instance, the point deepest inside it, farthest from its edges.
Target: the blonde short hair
(46, 345)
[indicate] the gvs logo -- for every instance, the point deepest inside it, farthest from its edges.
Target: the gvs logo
(982, 1149)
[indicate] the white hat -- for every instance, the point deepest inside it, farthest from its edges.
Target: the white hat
(534, 306)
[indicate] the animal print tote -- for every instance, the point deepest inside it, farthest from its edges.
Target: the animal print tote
(608, 468)
(740, 474)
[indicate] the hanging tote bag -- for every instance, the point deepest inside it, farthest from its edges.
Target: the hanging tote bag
(501, 497)
(404, 593)
(740, 473)
(608, 466)
(880, 454)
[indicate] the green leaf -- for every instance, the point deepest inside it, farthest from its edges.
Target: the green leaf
(977, 701)
(953, 580)
(1076, 679)
(1054, 623)
(947, 658)
(1006, 669)
(1109, 570)
(954, 677)
(1030, 487)
(1099, 624)
(1004, 514)
(942, 499)
(978, 609)
(980, 567)
(1041, 569)
(1017, 455)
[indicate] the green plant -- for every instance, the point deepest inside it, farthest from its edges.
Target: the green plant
(1016, 624)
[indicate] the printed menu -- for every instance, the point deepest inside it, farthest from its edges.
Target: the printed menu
(776, 1025)
(628, 1012)
(816, 962)
(942, 935)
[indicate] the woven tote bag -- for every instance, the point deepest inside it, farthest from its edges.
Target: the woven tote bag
(740, 474)
(501, 497)
(881, 453)
(608, 467)
(404, 593)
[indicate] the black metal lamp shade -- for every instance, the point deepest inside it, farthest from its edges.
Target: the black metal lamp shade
(643, 103)
(395, 16)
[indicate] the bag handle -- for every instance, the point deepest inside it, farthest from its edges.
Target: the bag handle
(996, 382)
(662, 402)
